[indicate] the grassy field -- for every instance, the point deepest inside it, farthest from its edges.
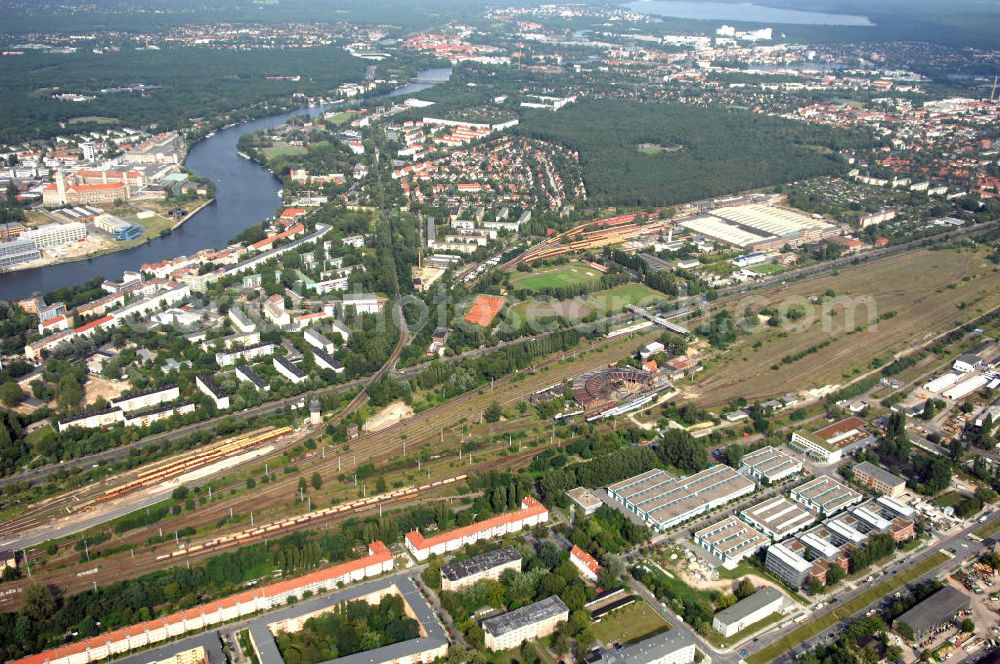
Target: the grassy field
(988, 530)
(912, 297)
(767, 268)
(630, 624)
(97, 119)
(576, 309)
(284, 151)
(615, 299)
(339, 118)
(559, 276)
(950, 499)
(843, 612)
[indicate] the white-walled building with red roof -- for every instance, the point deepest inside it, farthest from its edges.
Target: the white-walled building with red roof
(530, 515)
(584, 562)
(203, 616)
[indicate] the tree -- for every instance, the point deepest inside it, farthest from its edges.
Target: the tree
(815, 586)
(493, 412)
(316, 481)
(11, 394)
(744, 588)
(70, 391)
(38, 602)
(968, 626)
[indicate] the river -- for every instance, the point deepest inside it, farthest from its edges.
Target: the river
(245, 194)
(743, 11)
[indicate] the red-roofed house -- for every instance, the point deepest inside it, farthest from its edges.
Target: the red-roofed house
(290, 214)
(87, 329)
(267, 242)
(198, 618)
(530, 515)
(584, 562)
(55, 324)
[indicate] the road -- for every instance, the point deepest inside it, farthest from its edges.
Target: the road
(954, 540)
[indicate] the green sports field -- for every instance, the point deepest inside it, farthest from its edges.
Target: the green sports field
(559, 276)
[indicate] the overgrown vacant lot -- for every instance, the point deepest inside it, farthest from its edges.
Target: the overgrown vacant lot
(719, 150)
(910, 298)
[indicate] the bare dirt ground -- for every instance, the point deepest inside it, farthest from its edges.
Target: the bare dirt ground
(389, 415)
(103, 387)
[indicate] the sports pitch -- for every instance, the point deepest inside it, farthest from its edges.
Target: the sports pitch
(559, 276)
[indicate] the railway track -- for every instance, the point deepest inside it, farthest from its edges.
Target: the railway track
(74, 576)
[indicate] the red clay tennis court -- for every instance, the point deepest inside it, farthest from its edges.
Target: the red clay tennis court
(484, 309)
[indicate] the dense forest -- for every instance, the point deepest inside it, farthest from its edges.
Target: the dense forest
(192, 82)
(721, 150)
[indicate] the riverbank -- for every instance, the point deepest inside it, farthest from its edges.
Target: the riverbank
(157, 228)
(245, 194)
(190, 214)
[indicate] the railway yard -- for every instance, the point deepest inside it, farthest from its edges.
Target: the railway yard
(432, 439)
(234, 515)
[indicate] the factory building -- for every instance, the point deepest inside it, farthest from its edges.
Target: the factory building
(770, 465)
(825, 495)
(663, 501)
(778, 517)
(730, 540)
(747, 611)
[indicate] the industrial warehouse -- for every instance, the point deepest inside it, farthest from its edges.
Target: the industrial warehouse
(664, 501)
(825, 495)
(761, 227)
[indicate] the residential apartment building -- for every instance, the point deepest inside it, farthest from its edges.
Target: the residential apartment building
(203, 616)
(98, 420)
(879, 479)
(154, 396)
(459, 574)
(146, 417)
(530, 515)
(228, 358)
(207, 385)
(290, 371)
(248, 375)
(241, 321)
(585, 563)
(530, 622)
